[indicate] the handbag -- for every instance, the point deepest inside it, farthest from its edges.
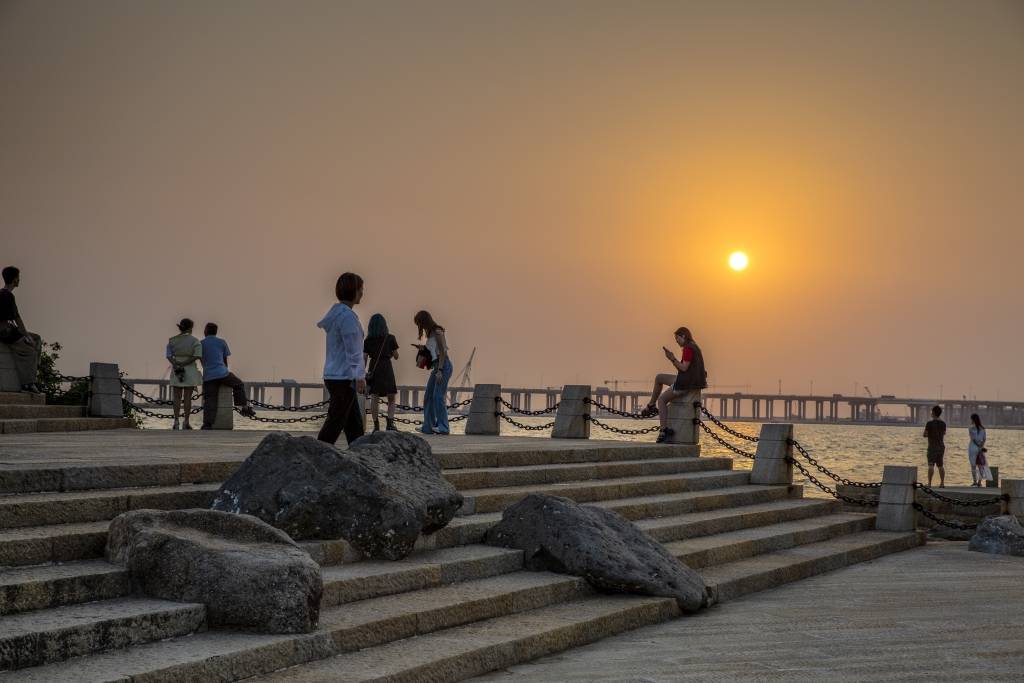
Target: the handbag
(981, 462)
(424, 359)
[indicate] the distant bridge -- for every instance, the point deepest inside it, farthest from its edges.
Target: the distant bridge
(739, 406)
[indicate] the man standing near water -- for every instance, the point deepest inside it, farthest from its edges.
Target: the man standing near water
(935, 432)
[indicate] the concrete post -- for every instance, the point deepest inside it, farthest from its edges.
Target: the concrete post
(896, 499)
(572, 421)
(105, 389)
(681, 413)
(1014, 488)
(483, 419)
(9, 379)
(224, 418)
(771, 464)
(993, 483)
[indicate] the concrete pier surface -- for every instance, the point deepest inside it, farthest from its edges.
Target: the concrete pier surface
(936, 613)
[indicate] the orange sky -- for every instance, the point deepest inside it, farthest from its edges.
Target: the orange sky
(560, 183)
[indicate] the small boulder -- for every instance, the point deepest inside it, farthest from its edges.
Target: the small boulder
(379, 495)
(1000, 535)
(248, 574)
(613, 554)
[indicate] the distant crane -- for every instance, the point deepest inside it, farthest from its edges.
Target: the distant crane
(616, 382)
(465, 377)
(868, 391)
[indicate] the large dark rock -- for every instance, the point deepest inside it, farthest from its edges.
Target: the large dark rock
(613, 554)
(1000, 535)
(247, 573)
(379, 495)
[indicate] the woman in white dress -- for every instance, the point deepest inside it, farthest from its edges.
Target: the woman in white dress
(977, 433)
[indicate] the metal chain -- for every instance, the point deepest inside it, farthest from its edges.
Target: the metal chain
(723, 427)
(528, 412)
(282, 420)
(155, 401)
(944, 522)
(408, 422)
(520, 425)
(68, 378)
(829, 490)
(962, 503)
(617, 430)
(642, 415)
(290, 409)
(827, 472)
(159, 416)
(722, 441)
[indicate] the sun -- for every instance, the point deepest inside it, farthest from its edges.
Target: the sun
(738, 260)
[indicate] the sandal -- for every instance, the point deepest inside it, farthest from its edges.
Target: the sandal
(651, 410)
(664, 434)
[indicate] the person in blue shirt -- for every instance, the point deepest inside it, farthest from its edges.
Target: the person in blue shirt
(344, 369)
(216, 373)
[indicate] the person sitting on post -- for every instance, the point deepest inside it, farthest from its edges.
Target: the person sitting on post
(216, 374)
(691, 376)
(25, 346)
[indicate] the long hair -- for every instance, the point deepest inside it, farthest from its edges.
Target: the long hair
(425, 324)
(977, 421)
(377, 327)
(684, 332)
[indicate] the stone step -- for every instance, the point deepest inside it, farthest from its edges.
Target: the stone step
(496, 499)
(734, 579)
(39, 478)
(469, 529)
(494, 477)
(51, 635)
(55, 543)
(38, 587)
(21, 398)
(732, 546)
(466, 651)
(64, 424)
(39, 509)
(31, 412)
(228, 656)
(723, 520)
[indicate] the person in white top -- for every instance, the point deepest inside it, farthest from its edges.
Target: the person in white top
(435, 409)
(977, 444)
(344, 370)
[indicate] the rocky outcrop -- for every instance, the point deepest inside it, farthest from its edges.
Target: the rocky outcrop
(379, 495)
(1000, 535)
(609, 551)
(248, 574)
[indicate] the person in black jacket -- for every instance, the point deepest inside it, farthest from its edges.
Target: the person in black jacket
(25, 346)
(690, 375)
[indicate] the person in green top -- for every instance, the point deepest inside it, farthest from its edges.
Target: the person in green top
(183, 350)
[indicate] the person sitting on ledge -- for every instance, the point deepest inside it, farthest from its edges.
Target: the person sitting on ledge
(216, 373)
(691, 376)
(24, 345)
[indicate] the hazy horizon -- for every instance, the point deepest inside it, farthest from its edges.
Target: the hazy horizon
(559, 183)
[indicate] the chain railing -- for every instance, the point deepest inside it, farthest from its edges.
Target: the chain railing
(955, 501)
(532, 413)
(154, 401)
(721, 425)
(290, 409)
(128, 405)
(944, 522)
(723, 442)
(829, 473)
(828, 489)
(521, 425)
(618, 430)
(642, 415)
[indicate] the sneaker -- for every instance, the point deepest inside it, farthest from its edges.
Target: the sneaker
(664, 434)
(391, 426)
(247, 411)
(31, 388)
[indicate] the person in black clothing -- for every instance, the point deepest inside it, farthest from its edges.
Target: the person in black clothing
(935, 432)
(379, 349)
(690, 375)
(24, 345)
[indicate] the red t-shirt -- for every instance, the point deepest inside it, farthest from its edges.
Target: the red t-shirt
(687, 354)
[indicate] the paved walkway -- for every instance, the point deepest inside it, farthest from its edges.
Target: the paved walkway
(938, 613)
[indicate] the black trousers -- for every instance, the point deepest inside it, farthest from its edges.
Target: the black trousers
(343, 413)
(211, 391)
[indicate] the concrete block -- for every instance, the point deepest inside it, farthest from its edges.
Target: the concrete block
(106, 390)
(681, 414)
(482, 418)
(1014, 488)
(105, 371)
(9, 380)
(572, 421)
(106, 405)
(224, 418)
(771, 464)
(896, 499)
